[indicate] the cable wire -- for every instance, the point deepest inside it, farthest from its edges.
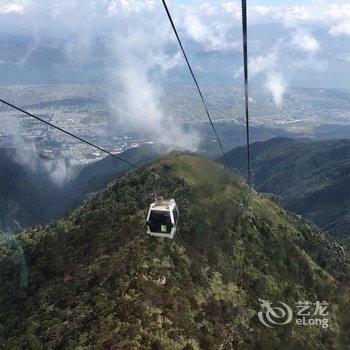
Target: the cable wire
(246, 84)
(68, 133)
(195, 80)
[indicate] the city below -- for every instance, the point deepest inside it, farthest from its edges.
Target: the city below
(87, 110)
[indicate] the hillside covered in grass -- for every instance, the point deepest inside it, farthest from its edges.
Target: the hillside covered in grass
(310, 177)
(96, 280)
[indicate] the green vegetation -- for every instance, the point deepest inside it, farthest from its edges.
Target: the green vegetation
(96, 281)
(310, 178)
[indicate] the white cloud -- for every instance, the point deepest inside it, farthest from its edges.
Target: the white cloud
(312, 14)
(304, 40)
(339, 12)
(212, 37)
(167, 63)
(28, 154)
(135, 37)
(195, 29)
(13, 6)
(289, 15)
(263, 10)
(112, 8)
(276, 84)
(340, 29)
(136, 95)
(233, 7)
(267, 65)
(297, 14)
(59, 171)
(260, 64)
(207, 8)
(137, 5)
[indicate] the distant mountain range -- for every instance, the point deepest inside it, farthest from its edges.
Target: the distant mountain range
(95, 280)
(311, 178)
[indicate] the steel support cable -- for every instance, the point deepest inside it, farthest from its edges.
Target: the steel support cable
(246, 84)
(68, 133)
(195, 81)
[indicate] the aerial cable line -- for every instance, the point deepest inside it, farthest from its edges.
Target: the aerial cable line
(195, 81)
(246, 85)
(68, 133)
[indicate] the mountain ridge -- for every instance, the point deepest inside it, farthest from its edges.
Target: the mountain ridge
(309, 177)
(97, 281)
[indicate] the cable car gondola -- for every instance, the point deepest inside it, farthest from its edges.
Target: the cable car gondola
(162, 218)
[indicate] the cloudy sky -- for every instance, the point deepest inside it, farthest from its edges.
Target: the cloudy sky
(291, 43)
(130, 45)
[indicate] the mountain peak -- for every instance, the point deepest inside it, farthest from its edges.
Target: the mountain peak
(97, 280)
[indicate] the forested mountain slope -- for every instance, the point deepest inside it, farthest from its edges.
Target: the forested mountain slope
(311, 178)
(96, 280)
